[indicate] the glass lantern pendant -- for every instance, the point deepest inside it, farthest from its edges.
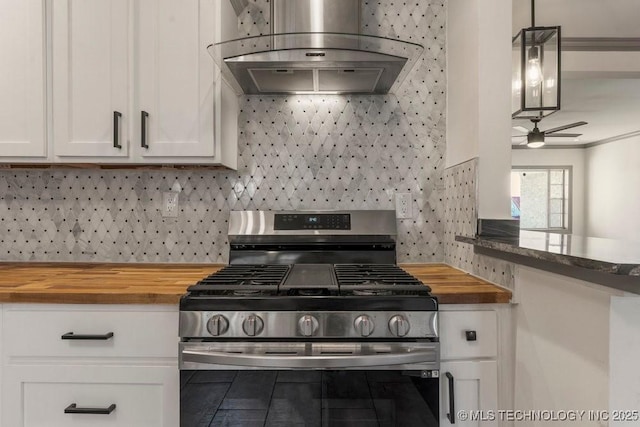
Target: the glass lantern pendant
(536, 71)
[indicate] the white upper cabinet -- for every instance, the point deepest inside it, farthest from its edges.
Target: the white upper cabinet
(131, 82)
(174, 78)
(22, 79)
(90, 78)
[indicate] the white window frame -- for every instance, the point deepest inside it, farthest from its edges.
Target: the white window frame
(568, 205)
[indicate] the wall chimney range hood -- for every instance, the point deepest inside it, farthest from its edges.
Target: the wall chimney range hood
(315, 47)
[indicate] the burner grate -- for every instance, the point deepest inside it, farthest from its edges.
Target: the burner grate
(377, 280)
(242, 280)
(232, 291)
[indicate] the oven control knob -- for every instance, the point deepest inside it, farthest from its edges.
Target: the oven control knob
(399, 325)
(217, 325)
(364, 325)
(308, 325)
(252, 325)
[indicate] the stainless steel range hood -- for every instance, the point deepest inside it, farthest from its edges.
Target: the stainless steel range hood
(315, 47)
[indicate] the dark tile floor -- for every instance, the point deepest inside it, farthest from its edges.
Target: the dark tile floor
(302, 398)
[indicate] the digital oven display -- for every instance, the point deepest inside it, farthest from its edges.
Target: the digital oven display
(312, 222)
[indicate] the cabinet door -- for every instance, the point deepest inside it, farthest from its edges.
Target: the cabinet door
(174, 79)
(475, 387)
(144, 396)
(22, 79)
(90, 77)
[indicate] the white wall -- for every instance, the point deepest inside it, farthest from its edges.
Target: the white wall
(495, 110)
(562, 336)
(561, 157)
(462, 81)
(581, 18)
(612, 182)
(624, 353)
(479, 97)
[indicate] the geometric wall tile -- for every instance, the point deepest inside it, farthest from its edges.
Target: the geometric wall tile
(295, 152)
(461, 218)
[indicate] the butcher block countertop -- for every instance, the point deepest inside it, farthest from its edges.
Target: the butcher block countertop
(100, 283)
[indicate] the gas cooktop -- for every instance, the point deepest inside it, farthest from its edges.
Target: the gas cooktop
(299, 286)
(310, 280)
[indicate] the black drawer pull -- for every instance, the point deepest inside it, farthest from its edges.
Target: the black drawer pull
(73, 409)
(116, 129)
(72, 336)
(471, 335)
(451, 416)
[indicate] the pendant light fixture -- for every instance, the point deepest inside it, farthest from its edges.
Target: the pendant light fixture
(535, 71)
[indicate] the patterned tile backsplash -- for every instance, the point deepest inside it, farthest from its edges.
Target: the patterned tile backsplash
(461, 212)
(295, 152)
(461, 218)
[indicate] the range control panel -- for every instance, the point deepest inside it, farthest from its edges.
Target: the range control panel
(301, 221)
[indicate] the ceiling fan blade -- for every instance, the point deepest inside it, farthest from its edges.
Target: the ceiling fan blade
(521, 129)
(564, 135)
(569, 126)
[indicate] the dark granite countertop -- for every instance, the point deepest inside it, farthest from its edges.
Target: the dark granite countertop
(617, 257)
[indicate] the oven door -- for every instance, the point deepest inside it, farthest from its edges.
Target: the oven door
(309, 384)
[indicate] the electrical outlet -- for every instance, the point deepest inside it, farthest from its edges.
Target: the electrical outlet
(404, 202)
(170, 204)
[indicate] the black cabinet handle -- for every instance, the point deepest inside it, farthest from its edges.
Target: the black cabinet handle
(72, 336)
(451, 416)
(73, 409)
(471, 335)
(116, 129)
(143, 132)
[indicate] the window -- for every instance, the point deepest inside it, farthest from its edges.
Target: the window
(540, 198)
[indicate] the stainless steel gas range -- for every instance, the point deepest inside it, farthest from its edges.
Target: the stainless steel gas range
(311, 324)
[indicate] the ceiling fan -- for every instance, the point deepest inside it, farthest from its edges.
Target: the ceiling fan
(535, 138)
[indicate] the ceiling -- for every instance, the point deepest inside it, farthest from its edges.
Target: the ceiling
(599, 86)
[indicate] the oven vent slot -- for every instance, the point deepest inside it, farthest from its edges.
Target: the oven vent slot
(282, 352)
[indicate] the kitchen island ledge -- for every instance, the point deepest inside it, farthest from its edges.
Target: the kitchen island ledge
(608, 262)
(105, 283)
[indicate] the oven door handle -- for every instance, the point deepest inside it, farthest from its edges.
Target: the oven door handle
(309, 362)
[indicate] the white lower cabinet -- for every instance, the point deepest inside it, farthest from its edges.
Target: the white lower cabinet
(475, 388)
(470, 351)
(136, 368)
(127, 357)
(39, 396)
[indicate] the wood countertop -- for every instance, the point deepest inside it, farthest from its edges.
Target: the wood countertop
(100, 283)
(453, 286)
